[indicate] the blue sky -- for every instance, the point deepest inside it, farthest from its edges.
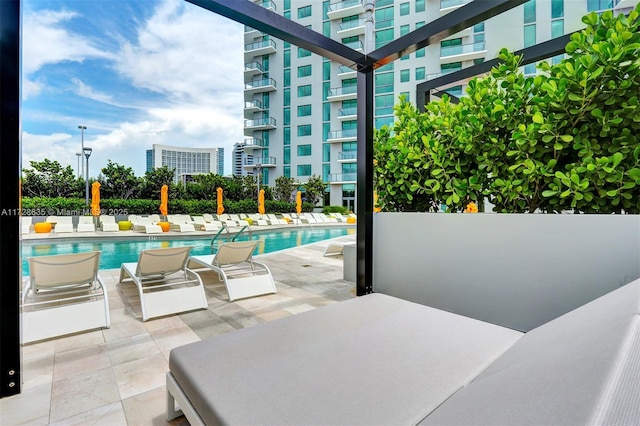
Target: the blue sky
(135, 72)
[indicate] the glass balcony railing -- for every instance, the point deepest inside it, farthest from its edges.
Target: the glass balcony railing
(334, 7)
(355, 45)
(347, 155)
(344, 90)
(351, 24)
(253, 143)
(263, 82)
(343, 134)
(461, 49)
(267, 4)
(346, 112)
(254, 104)
(255, 65)
(261, 122)
(343, 69)
(259, 162)
(343, 177)
(264, 44)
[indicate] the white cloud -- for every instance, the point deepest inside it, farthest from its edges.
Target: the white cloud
(46, 41)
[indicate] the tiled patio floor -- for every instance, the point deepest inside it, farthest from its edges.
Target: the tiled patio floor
(116, 376)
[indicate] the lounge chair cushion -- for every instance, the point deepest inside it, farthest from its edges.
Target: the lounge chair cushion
(404, 360)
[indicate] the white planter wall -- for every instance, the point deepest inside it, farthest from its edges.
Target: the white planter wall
(516, 270)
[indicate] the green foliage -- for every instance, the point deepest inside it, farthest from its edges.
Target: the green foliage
(285, 189)
(565, 140)
(118, 181)
(335, 209)
(153, 181)
(49, 179)
(314, 189)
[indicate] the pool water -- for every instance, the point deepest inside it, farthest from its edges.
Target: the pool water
(116, 252)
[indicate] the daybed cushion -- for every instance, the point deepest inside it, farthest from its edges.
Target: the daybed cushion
(370, 360)
(581, 368)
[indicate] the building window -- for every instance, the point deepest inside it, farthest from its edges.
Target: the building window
(326, 172)
(304, 130)
(404, 76)
(304, 12)
(286, 171)
(383, 37)
(326, 71)
(286, 76)
(304, 169)
(286, 95)
(326, 152)
(286, 154)
(286, 116)
(597, 5)
(384, 17)
(530, 12)
(419, 5)
(420, 73)
(326, 111)
(304, 90)
(406, 95)
(557, 28)
(451, 47)
(404, 9)
(304, 150)
(304, 110)
(454, 66)
(557, 9)
(303, 52)
(326, 129)
(287, 58)
(304, 71)
(529, 35)
(286, 136)
(384, 82)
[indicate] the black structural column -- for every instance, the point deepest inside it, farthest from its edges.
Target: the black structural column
(10, 368)
(364, 196)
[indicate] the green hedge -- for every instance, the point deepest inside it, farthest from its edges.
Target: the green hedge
(76, 206)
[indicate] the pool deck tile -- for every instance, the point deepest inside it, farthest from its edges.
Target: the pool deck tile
(117, 375)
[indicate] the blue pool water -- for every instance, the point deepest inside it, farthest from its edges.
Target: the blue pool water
(116, 252)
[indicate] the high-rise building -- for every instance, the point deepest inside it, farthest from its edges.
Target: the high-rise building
(300, 109)
(186, 161)
(238, 157)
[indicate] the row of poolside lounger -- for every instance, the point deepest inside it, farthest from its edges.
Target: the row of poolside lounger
(152, 224)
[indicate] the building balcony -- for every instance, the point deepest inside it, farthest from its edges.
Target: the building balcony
(347, 114)
(344, 93)
(262, 162)
(259, 86)
(259, 48)
(464, 52)
(341, 9)
(342, 178)
(268, 123)
(351, 28)
(251, 33)
(349, 135)
(251, 69)
(252, 144)
(447, 6)
(346, 72)
(355, 45)
(348, 157)
(253, 106)
(267, 4)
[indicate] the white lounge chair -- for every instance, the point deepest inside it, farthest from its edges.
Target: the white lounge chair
(144, 224)
(243, 276)
(61, 224)
(26, 224)
(274, 220)
(181, 223)
(202, 225)
(108, 224)
(165, 284)
(85, 224)
(64, 294)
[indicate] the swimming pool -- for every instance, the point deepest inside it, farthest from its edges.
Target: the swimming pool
(116, 252)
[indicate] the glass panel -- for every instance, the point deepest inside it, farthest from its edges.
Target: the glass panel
(557, 9)
(530, 11)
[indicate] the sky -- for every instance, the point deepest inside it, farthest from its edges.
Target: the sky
(135, 73)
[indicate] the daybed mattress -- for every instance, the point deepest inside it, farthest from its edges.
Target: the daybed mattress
(370, 360)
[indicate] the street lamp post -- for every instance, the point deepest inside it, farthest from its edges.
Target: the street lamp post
(79, 155)
(82, 129)
(87, 153)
